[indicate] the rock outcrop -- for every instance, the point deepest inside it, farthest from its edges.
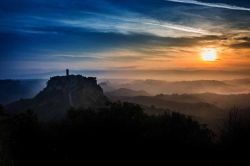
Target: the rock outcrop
(61, 94)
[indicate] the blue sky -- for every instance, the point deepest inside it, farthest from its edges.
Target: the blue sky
(40, 38)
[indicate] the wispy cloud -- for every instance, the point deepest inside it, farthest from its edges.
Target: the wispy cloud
(135, 23)
(181, 28)
(216, 5)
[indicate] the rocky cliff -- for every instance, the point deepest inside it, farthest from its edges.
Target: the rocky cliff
(61, 94)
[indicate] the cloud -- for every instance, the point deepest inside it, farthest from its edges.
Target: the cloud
(134, 23)
(216, 5)
(181, 28)
(241, 45)
(72, 57)
(126, 22)
(241, 41)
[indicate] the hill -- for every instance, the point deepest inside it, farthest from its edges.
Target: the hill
(61, 94)
(219, 100)
(122, 92)
(155, 87)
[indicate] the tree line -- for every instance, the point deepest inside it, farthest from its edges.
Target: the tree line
(124, 131)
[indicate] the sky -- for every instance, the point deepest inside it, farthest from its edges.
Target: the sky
(156, 39)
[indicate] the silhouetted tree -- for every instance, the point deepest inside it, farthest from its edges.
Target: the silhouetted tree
(118, 130)
(5, 157)
(235, 138)
(2, 111)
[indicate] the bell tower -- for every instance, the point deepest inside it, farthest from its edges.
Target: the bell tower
(67, 72)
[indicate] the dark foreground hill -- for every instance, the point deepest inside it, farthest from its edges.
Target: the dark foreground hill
(61, 94)
(88, 128)
(121, 133)
(206, 107)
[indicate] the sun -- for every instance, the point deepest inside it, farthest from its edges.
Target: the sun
(209, 54)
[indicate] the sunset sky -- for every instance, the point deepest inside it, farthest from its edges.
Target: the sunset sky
(125, 38)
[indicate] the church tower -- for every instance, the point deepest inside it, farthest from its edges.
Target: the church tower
(67, 72)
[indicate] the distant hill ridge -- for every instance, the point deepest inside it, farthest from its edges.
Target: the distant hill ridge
(121, 92)
(61, 94)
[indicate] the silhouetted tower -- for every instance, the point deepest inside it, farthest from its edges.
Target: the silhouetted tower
(67, 72)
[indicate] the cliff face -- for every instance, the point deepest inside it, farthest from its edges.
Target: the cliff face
(60, 94)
